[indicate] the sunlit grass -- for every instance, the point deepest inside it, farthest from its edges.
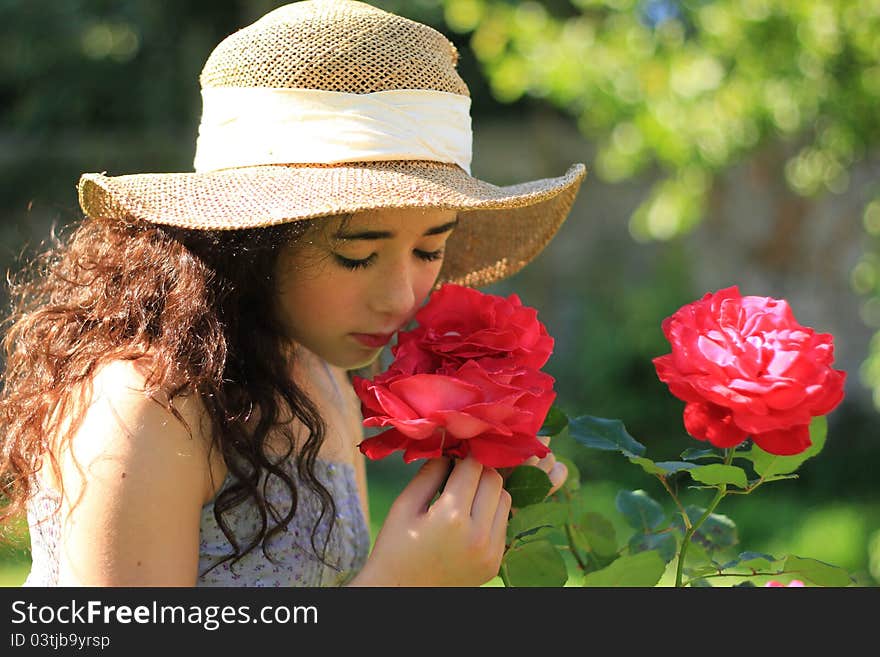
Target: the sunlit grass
(13, 573)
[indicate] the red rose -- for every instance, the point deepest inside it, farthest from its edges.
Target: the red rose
(459, 410)
(745, 366)
(460, 324)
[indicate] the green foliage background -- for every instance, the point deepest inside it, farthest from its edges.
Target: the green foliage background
(672, 92)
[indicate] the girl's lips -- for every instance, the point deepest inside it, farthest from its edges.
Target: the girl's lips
(373, 341)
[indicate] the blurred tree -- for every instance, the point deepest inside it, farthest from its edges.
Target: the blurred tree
(686, 89)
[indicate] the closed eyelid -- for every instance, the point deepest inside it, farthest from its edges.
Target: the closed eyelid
(433, 243)
(373, 235)
(362, 263)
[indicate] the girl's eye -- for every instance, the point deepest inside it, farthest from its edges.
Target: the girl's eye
(348, 263)
(430, 256)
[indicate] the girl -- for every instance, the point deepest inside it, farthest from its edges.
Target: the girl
(178, 408)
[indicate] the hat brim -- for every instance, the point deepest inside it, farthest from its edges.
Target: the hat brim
(500, 230)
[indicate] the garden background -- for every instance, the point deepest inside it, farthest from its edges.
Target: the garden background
(729, 142)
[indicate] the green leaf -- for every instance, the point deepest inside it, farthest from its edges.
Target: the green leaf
(662, 468)
(545, 515)
(768, 465)
(604, 433)
(717, 474)
(594, 533)
(641, 511)
(718, 532)
(705, 569)
(752, 561)
(534, 564)
(671, 467)
(747, 584)
(643, 569)
(527, 484)
(554, 423)
(665, 544)
(573, 481)
(697, 556)
(532, 533)
(752, 482)
(818, 572)
(647, 465)
(695, 454)
(700, 584)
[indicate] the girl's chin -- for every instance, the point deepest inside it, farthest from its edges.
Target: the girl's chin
(347, 360)
(346, 357)
(362, 362)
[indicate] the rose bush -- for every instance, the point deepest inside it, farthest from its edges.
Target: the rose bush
(757, 386)
(745, 367)
(467, 381)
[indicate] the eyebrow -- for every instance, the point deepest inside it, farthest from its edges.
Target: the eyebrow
(387, 234)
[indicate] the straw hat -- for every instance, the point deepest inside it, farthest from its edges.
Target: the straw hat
(327, 107)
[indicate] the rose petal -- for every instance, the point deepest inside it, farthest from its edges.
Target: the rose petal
(506, 451)
(460, 425)
(392, 405)
(429, 392)
(383, 444)
(784, 442)
(714, 424)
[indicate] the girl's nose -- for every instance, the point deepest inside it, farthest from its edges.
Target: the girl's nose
(393, 294)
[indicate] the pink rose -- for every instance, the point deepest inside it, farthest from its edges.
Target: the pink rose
(456, 411)
(745, 366)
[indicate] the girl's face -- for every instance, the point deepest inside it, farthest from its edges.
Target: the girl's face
(367, 275)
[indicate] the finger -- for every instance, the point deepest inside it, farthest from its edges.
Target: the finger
(499, 524)
(558, 474)
(419, 492)
(547, 463)
(462, 485)
(486, 498)
(534, 460)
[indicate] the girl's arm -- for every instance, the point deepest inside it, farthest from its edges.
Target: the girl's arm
(134, 482)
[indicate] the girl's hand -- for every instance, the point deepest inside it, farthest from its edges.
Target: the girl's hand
(456, 541)
(557, 471)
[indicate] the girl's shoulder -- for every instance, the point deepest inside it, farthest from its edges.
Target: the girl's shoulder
(134, 480)
(113, 412)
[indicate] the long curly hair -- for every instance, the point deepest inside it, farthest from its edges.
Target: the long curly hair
(195, 300)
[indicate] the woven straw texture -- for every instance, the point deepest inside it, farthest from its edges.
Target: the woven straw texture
(335, 46)
(347, 46)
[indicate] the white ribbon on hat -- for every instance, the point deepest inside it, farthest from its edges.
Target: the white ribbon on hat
(247, 126)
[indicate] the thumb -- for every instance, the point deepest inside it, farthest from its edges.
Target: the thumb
(424, 485)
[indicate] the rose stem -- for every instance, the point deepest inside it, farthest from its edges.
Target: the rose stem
(722, 491)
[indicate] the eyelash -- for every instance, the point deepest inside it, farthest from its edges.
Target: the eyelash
(427, 256)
